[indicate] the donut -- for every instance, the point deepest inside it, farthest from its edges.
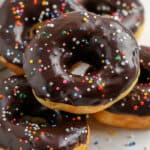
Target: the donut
(25, 124)
(104, 44)
(134, 110)
(129, 12)
(20, 20)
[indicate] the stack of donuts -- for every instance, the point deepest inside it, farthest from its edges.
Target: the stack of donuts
(45, 106)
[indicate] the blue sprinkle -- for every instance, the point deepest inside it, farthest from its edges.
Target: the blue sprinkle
(43, 88)
(40, 48)
(130, 144)
(96, 143)
(75, 94)
(148, 100)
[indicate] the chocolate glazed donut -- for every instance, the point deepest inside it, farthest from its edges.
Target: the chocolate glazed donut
(25, 124)
(134, 110)
(103, 43)
(129, 12)
(17, 20)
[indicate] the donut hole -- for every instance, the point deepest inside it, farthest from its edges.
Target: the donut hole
(85, 63)
(79, 68)
(33, 30)
(99, 7)
(144, 76)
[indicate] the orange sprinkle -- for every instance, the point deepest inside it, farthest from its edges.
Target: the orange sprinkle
(65, 15)
(28, 46)
(20, 148)
(13, 9)
(42, 133)
(123, 53)
(36, 138)
(40, 61)
(35, 2)
(1, 96)
(18, 23)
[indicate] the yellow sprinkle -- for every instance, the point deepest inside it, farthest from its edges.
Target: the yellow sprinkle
(112, 132)
(103, 61)
(85, 19)
(34, 132)
(44, 3)
(39, 26)
(103, 84)
(31, 61)
(22, 6)
(90, 81)
(145, 94)
(78, 118)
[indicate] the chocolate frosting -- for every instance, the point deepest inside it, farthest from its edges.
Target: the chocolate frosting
(25, 124)
(19, 16)
(145, 57)
(129, 12)
(103, 43)
(138, 101)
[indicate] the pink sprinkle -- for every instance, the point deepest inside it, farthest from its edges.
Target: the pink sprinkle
(48, 50)
(40, 70)
(65, 82)
(57, 88)
(76, 89)
(26, 141)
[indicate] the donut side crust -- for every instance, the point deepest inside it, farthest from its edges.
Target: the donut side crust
(138, 33)
(11, 66)
(83, 109)
(123, 120)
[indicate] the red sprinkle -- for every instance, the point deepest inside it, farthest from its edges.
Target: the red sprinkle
(135, 107)
(1, 96)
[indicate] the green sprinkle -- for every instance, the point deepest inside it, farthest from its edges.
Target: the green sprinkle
(117, 58)
(43, 33)
(64, 32)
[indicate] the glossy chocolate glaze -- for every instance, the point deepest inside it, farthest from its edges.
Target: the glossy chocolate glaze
(25, 124)
(19, 16)
(103, 43)
(129, 12)
(138, 101)
(145, 57)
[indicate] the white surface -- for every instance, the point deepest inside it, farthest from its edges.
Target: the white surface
(108, 138)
